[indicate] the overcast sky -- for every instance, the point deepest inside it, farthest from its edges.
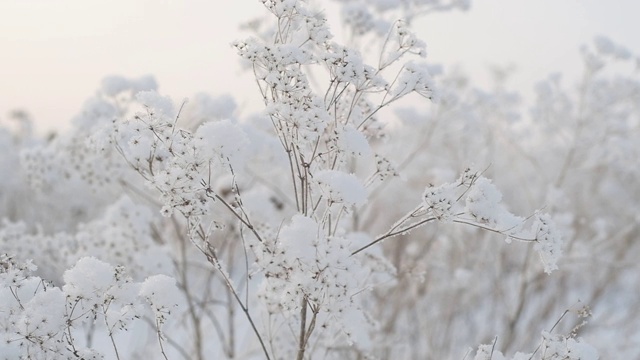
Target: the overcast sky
(53, 53)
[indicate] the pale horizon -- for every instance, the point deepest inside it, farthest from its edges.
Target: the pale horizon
(56, 53)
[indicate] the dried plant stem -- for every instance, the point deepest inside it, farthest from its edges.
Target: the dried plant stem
(303, 327)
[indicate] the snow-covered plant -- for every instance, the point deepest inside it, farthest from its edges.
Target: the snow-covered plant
(554, 346)
(42, 321)
(310, 274)
(343, 220)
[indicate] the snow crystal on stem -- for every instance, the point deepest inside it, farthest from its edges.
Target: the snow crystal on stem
(341, 187)
(300, 237)
(353, 141)
(483, 203)
(440, 200)
(224, 140)
(414, 77)
(43, 315)
(161, 293)
(155, 101)
(548, 242)
(557, 346)
(88, 278)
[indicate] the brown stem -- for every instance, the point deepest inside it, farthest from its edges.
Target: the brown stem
(303, 328)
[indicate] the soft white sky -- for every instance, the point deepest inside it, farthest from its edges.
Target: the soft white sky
(53, 53)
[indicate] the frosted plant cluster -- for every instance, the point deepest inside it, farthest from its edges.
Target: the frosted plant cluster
(42, 321)
(342, 221)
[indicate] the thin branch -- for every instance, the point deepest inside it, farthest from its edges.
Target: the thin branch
(392, 234)
(303, 328)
